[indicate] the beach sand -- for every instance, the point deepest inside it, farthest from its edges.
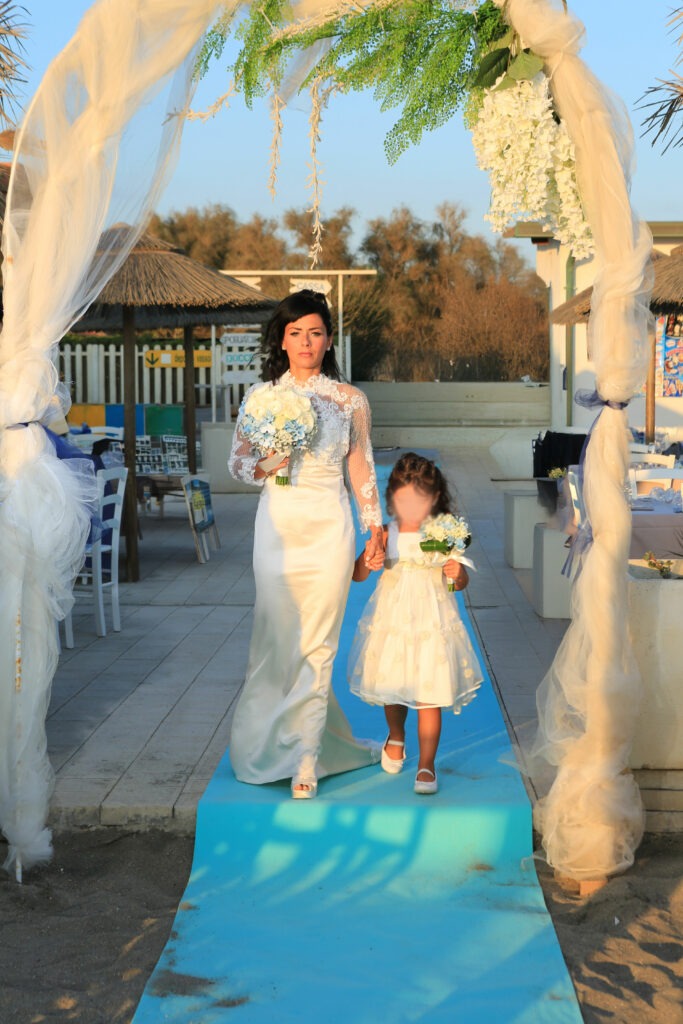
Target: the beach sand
(80, 938)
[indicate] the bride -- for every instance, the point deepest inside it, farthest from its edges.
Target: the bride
(287, 722)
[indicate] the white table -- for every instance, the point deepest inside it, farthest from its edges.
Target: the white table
(656, 527)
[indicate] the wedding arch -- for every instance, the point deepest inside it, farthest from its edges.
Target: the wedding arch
(96, 147)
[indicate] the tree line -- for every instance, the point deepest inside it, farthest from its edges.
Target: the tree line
(445, 304)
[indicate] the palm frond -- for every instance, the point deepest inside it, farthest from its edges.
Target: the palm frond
(666, 120)
(675, 22)
(12, 31)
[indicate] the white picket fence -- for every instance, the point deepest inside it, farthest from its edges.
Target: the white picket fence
(93, 372)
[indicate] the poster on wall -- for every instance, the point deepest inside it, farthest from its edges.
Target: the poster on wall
(670, 353)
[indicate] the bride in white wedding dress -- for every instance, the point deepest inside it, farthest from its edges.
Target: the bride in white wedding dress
(287, 722)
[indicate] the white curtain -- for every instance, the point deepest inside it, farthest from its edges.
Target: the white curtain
(95, 148)
(591, 820)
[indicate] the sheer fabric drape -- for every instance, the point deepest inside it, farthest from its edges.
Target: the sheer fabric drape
(95, 148)
(591, 820)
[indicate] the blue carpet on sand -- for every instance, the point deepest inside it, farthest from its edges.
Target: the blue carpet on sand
(369, 903)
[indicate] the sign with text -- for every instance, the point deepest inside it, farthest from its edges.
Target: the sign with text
(239, 358)
(254, 340)
(174, 358)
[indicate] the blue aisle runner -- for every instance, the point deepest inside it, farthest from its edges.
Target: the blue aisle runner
(369, 903)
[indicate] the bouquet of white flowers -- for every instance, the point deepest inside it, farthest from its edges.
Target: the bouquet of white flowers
(449, 535)
(280, 420)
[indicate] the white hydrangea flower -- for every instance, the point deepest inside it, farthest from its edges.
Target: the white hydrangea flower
(531, 163)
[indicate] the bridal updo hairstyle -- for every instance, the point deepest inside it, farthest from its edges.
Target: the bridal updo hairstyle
(296, 305)
(425, 476)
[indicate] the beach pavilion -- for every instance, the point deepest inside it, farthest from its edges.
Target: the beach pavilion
(159, 286)
(667, 297)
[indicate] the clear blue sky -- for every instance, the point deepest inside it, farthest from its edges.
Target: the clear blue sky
(226, 160)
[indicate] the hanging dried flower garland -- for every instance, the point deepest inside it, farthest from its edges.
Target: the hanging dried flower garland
(429, 58)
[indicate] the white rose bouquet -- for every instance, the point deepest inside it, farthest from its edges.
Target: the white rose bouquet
(449, 535)
(280, 420)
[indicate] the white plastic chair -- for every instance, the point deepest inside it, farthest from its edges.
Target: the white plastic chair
(653, 459)
(91, 579)
(636, 448)
(660, 476)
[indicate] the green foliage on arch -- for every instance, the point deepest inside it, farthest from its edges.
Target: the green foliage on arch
(418, 56)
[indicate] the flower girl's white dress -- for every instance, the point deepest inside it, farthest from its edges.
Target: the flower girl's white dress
(411, 646)
(287, 719)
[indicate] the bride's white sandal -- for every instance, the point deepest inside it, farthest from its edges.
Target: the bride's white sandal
(426, 786)
(309, 792)
(391, 764)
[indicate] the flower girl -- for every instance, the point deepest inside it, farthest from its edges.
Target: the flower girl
(411, 648)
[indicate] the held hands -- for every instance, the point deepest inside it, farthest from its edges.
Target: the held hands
(374, 551)
(456, 573)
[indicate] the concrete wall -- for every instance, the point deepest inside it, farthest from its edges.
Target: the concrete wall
(502, 417)
(457, 405)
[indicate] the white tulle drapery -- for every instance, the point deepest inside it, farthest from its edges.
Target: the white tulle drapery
(95, 148)
(591, 820)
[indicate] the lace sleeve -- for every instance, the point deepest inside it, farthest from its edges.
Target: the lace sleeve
(243, 458)
(360, 463)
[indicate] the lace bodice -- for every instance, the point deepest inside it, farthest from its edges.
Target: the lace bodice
(343, 433)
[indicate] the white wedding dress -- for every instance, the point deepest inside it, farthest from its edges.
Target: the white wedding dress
(287, 720)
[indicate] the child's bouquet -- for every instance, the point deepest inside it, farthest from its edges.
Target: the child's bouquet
(449, 535)
(280, 420)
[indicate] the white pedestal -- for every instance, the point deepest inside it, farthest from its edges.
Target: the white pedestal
(655, 617)
(216, 443)
(551, 591)
(521, 511)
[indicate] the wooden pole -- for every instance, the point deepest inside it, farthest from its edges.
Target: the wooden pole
(650, 392)
(129, 433)
(190, 400)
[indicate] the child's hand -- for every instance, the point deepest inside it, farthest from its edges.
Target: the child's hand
(456, 573)
(374, 555)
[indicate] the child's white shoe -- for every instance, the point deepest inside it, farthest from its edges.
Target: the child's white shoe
(426, 786)
(390, 764)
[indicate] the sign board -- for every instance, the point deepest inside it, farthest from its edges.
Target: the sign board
(197, 491)
(316, 284)
(239, 358)
(164, 358)
(240, 339)
(174, 358)
(200, 508)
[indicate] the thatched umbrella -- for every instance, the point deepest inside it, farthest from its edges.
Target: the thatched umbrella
(667, 291)
(159, 286)
(667, 297)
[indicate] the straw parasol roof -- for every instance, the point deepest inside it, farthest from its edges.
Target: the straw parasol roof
(158, 285)
(667, 291)
(168, 289)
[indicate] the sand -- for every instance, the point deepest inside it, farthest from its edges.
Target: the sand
(80, 938)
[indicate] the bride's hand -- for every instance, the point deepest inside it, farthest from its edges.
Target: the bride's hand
(260, 473)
